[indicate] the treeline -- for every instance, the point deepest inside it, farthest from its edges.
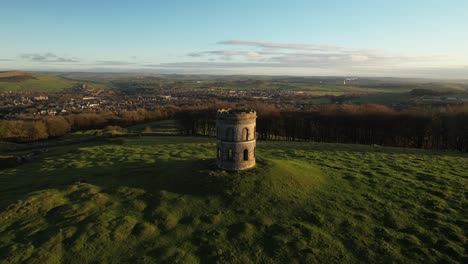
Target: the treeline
(361, 124)
(57, 126)
(444, 128)
(430, 92)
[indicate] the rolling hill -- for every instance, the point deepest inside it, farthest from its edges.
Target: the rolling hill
(162, 200)
(32, 81)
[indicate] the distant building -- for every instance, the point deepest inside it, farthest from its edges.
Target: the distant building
(41, 98)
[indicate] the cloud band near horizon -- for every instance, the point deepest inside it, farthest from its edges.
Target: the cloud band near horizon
(241, 56)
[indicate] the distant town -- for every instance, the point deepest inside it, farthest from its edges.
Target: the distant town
(83, 98)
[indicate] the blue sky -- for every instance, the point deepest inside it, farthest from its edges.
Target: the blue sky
(356, 38)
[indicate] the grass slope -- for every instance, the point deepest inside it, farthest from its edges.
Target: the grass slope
(159, 199)
(29, 81)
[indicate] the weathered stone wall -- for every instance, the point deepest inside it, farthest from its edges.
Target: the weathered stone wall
(236, 140)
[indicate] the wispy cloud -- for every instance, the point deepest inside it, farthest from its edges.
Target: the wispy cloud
(212, 65)
(46, 57)
(270, 58)
(256, 57)
(249, 68)
(306, 55)
(290, 46)
(113, 63)
(226, 54)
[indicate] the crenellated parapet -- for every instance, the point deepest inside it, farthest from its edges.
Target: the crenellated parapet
(236, 114)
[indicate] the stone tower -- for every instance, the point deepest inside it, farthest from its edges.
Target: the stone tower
(235, 139)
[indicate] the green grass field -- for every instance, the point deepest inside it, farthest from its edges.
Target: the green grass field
(160, 199)
(28, 81)
(382, 98)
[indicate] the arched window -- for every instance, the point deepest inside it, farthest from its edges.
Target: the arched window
(245, 134)
(230, 134)
(246, 154)
(219, 153)
(229, 154)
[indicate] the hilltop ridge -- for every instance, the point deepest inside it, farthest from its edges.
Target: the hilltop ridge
(12, 73)
(16, 80)
(162, 198)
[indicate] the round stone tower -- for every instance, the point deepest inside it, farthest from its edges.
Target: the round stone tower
(235, 139)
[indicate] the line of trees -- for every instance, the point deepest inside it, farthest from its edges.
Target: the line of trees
(445, 128)
(57, 126)
(361, 124)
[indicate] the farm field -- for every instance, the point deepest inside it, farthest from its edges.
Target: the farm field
(36, 82)
(161, 199)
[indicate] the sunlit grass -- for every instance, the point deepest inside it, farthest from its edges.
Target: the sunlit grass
(43, 82)
(160, 199)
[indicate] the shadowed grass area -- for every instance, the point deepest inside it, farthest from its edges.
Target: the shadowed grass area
(161, 199)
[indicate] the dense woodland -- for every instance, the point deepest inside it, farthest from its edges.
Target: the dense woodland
(57, 126)
(365, 124)
(443, 128)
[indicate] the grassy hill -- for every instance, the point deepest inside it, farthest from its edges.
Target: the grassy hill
(31, 81)
(160, 199)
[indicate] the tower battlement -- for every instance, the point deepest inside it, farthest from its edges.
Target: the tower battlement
(236, 114)
(236, 139)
